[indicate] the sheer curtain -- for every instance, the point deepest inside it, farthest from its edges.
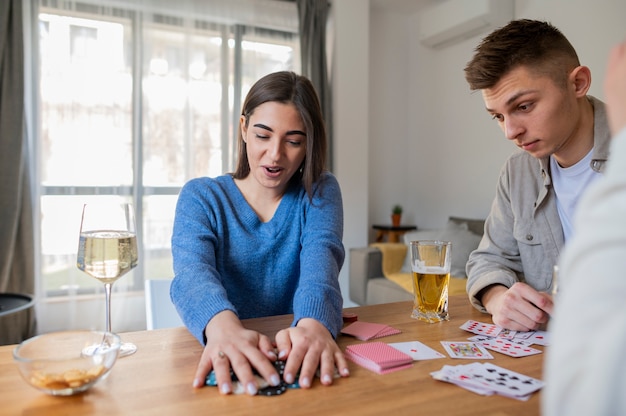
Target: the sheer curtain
(16, 226)
(137, 97)
(313, 20)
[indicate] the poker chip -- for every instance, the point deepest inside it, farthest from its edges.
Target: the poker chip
(279, 365)
(349, 317)
(272, 390)
(212, 381)
(265, 389)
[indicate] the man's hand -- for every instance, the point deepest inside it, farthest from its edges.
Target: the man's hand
(519, 308)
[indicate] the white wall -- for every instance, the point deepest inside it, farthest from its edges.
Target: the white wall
(414, 134)
(350, 79)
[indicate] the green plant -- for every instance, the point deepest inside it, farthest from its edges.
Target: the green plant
(397, 209)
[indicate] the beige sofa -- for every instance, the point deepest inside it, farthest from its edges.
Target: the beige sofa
(380, 273)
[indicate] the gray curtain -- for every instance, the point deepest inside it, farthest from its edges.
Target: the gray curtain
(16, 217)
(313, 16)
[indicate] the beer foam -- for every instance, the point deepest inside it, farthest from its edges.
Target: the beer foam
(420, 267)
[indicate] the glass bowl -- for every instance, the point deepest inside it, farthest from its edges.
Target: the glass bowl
(67, 362)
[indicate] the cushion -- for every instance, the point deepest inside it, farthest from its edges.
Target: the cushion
(393, 255)
(463, 241)
(475, 226)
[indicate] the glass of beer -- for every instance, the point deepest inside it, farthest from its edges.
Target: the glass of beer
(430, 264)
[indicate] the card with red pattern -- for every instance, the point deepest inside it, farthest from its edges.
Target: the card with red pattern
(378, 357)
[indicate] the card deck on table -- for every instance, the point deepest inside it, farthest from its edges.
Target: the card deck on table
(505, 381)
(509, 348)
(485, 330)
(368, 330)
(466, 350)
(378, 357)
(487, 378)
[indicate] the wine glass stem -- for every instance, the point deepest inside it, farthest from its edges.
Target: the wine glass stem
(107, 292)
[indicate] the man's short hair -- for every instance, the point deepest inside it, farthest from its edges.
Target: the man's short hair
(537, 45)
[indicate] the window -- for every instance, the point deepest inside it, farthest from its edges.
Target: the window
(133, 103)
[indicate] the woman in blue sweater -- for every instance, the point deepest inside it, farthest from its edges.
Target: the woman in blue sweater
(266, 240)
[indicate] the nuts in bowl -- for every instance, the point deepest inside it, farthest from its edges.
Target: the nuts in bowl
(67, 362)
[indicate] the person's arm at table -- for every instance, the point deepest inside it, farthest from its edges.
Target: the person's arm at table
(229, 344)
(585, 362)
(492, 284)
(202, 301)
(310, 341)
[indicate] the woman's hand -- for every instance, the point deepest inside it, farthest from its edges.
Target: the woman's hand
(308, 346)
(228, 345)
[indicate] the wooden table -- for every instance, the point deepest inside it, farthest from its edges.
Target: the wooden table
(157, 379)
(393, 233)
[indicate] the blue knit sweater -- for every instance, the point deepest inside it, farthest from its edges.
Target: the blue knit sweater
(225, 258)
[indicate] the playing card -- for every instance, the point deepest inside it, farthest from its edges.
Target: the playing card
(417, 351)
(479, 338)
(488, 379)
(378, 357)
(368, 330)
(466, 350)
(504, 346)
(504, 381)
(539, 338)
(451, 374)
(481, 328)
(523, 334)
(507, 333)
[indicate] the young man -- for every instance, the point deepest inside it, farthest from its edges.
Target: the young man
(534, 87)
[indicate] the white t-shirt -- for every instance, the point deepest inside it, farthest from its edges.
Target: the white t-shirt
(569, 184)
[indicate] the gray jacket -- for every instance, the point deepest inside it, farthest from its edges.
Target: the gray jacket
(523, 234)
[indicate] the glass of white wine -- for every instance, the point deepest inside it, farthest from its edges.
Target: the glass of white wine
(107, 249)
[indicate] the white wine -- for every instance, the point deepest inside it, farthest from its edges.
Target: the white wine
(107, 255)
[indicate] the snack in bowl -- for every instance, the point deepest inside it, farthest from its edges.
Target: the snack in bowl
(67, 362)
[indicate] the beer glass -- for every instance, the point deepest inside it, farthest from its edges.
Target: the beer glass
(430, 265)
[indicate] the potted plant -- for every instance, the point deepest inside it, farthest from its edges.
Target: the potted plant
(396, 215)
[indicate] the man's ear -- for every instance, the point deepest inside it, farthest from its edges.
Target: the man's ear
(580, 79)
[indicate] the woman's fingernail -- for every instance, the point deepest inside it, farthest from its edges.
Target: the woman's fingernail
(305, 382)
(274, 380)
(288, 378)
(225, 388)
(345, 372)
(197, 383)
(326, 379)
(252, 389)
(282, 354)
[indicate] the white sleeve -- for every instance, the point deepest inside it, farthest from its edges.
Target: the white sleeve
(585, 367)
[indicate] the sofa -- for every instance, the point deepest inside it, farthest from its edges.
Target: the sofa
(381, 272)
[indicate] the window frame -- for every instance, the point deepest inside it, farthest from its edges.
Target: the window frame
(137, 191)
